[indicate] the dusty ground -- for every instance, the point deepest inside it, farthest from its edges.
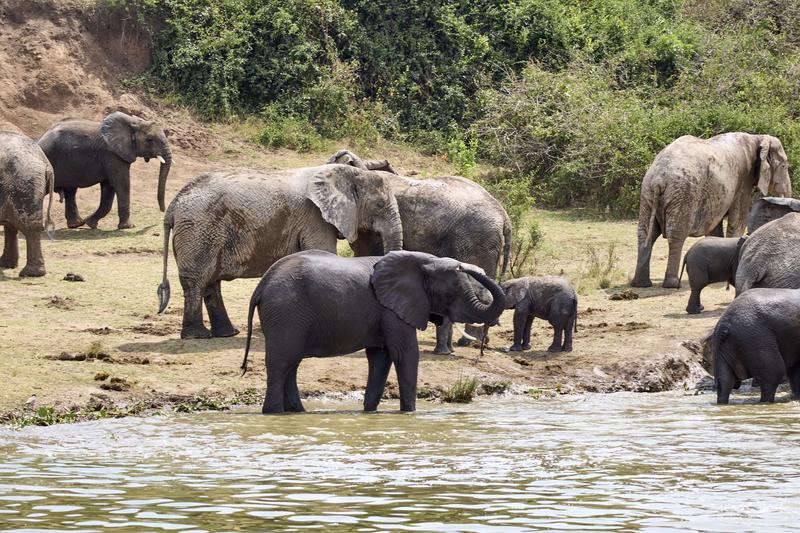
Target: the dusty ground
(73, 344)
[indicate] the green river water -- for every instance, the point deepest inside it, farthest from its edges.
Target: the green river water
(617, 462)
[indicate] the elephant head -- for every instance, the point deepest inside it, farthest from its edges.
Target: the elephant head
(352, 199)
(515, 291)
(768, 209)
(346, 157)
(773, 167)
(130, 137)
(420, 287)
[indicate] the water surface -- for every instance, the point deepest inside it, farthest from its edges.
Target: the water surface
(583, 463)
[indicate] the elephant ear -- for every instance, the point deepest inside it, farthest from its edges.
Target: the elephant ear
(765, 170)
(515, 292)
(118, 131)
(334, 193)
(399, 285)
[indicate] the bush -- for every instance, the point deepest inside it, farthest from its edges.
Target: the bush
(462, 391)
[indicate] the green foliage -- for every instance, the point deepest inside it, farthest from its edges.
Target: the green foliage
(601, 268)
(462, 391)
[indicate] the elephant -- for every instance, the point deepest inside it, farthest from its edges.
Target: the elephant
(26, 176)
(550, 298)
(448, 216)
(768, 209)
(317, 304)
(236, 223)
(757, 336)
(85, 153)
(710, 260)
(769, 257)
(694, 183)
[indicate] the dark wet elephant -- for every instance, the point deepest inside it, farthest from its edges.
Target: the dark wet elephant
(549, 298)
(236, 223)
(710, 260)
(26, 176)
(317, 304)
(770, 257)
(758, 336)
(85, 153)
(768, 209)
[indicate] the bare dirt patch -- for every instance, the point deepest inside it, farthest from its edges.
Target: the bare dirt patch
(57, 302)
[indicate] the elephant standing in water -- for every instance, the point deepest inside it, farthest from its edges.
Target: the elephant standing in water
(85, 153)
(448, 216)
(236, 223)
(771, 256)
(316, 304)
(768, 209)
(26, 176)
(694, 183)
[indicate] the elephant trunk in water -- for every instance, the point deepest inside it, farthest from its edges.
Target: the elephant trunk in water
(163, 171)
(486, 313)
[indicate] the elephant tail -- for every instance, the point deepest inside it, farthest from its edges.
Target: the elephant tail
(683, 267)
(49, 226)
(254, 301)
(163, 289)
(506, 243)
(575, 310)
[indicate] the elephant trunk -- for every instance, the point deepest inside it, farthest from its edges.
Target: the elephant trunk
(486, 313)
(392, 233)
(163, 172)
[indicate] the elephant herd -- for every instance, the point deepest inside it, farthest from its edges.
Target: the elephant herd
(426, 250)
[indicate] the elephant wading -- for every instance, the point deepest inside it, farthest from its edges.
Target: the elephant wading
(85, 153)
(694, 183)
(757, 336)
(768, 209)
(25, 178)
(236, 223)
(448, 216)
(316, 304)
(771, 256)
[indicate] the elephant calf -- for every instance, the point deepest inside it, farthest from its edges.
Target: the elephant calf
(26, 176)
(550, 298)
(317, 304)
(757, 336)
(710, 260)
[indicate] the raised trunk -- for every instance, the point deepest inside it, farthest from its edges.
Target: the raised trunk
(163, 172)
(487, 313)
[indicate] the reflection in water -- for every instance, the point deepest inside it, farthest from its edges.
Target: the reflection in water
(595, 462)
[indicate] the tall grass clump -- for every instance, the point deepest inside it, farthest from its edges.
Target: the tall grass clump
(462, 391)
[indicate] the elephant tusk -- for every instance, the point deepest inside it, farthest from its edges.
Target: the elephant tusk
(161, 160)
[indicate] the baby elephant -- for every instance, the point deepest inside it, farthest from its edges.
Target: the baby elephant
(710, 260)
(757, 336)
(550, 298)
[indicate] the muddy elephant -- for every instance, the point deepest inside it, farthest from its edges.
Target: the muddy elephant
(710, 260)
(770, 257)
(694, 183)
(549, 298)
(757, 336)
(768, 209)
(85, 153)
(236, 223)
(449, 216)
(317, 304)
(26, 176)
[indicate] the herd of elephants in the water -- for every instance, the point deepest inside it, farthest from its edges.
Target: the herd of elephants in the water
(424, 250)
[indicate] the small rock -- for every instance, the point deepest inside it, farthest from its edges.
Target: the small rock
(627, 294)
(101, 376)
(71, 276)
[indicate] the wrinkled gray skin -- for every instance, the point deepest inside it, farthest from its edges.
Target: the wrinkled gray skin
(85, 153)
(757, 336)
(449, 216)
(549, 298)
(710, 260)
(25, 178)
(694, 183)
(770, 257)
(768, 209)
(316, 304)
(236, 223)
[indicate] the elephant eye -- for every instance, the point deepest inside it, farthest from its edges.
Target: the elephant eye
(381, 204)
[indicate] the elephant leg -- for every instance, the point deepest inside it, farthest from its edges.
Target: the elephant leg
(407, 368)
(794, 380)
(10, 257)
(444, 338)
(671, 280)
(401, 342)
(379, 366)
(718, 231)
(193, 327)
(694, 306)
(106, 200)
(520, 320)
(647, 234)
(558, 330)
(768, 390)
(569, 327)
(74, 219)
(34, 266)
(291, 394)
(123, 190)
(526, 333)
(220, 322)
(278, 371)
(724, 380)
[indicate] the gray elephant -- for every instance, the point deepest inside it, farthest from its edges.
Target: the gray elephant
(768, 209)
(236, 223)
(449, 216)
(757, 336)
(26, 176)
(550, 298)
(694, 183)
(316, 304)
(710, 260)
(769, 257)
(85, 153)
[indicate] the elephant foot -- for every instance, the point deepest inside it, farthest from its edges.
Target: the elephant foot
(228, 331)
(553, 348)
(671, 283)
(526, 347)
(196, 332)
(643, 283)
(443, 350)
(76, 223)
(91, 222)
(32, 271)
(125, 225)
(694, 310)
(8, 263)
(517, 348)
(567, 348)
